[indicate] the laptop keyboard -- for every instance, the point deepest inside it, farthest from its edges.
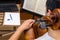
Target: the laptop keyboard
(8, 8)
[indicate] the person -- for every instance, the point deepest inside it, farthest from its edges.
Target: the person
(26, 25)
(50, 35)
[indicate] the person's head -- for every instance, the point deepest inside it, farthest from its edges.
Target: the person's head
(52, 4)
(53, 7)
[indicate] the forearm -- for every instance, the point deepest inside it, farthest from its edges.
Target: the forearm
(29, 35)
(17, 34)
(26, 25)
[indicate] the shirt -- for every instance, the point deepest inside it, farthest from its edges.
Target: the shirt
(45, 37)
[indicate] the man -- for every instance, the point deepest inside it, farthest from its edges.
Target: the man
(27, 24)
(51, 34)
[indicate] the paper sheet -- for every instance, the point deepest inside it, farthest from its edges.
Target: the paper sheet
(11, 18)
(37, 6)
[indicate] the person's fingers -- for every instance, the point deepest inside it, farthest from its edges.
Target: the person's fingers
(31, 21)
(49, 13)
(49, 10)
(49, 29)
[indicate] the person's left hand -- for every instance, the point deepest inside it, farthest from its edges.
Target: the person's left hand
(27, 24)
(54, 33)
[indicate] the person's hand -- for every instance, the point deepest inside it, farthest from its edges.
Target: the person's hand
(54, 33)
(49, 13)
(27, 24)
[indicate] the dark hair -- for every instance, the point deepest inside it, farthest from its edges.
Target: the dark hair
(52, 4)
(57, 3)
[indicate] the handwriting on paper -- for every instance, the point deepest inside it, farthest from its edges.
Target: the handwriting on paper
(11, 18)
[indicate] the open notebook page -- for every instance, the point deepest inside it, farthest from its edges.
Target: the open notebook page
(37, 6)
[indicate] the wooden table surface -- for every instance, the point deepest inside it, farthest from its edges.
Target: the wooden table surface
(8, 29)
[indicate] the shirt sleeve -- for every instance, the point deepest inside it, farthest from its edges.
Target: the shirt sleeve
(45, 37)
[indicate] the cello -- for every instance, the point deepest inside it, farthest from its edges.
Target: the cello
(52, 21)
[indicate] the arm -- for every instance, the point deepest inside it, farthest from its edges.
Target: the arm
(17, 34)
(29, 34)
(26, 25)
